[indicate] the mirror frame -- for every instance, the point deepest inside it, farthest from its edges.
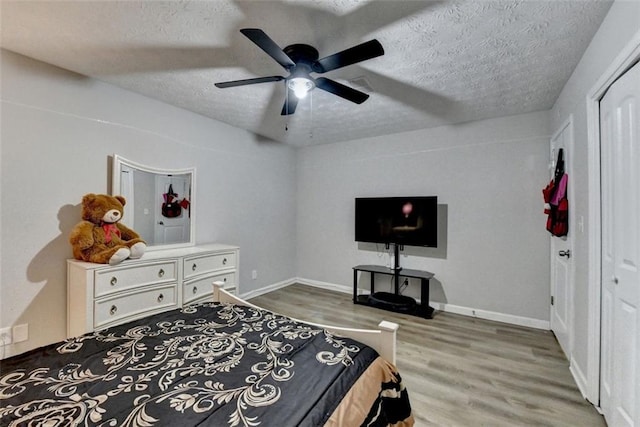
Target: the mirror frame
(119, 162)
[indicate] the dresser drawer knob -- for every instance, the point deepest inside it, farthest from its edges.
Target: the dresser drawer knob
(160, 298)
(224, 280)
(161, 273)
(195, 289)
(113, 281)
(194, 266)
(113, 310)
(224, 261)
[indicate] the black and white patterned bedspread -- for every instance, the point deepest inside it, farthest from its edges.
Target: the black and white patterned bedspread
(209, 364)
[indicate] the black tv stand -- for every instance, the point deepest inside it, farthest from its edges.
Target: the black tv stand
(396, 257)
(395, 301)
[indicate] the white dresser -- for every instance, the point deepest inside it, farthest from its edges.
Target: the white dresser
(101, 295)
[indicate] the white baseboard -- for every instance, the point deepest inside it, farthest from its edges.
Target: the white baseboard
(492, 315)
(579, 377)
(325, 285)
(449, 308)
(267, 289)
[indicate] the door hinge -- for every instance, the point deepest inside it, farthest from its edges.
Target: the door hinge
(551, 299)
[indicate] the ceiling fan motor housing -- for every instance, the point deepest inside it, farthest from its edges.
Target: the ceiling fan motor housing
(302, 54)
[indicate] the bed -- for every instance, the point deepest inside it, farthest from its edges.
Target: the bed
(220, 363)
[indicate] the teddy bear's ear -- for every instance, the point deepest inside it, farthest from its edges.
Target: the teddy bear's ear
(88, 198)
(121, 200)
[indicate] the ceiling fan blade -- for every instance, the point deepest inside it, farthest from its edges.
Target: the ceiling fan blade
(290, 104)
(341, 90)
(264, 42)
(235, 83)
(361, 52)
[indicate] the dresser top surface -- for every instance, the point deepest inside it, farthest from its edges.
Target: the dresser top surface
(160, 254)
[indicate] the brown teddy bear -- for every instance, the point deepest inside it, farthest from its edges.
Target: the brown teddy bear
(100, 238)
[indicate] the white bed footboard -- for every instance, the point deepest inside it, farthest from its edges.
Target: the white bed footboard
(383, 339)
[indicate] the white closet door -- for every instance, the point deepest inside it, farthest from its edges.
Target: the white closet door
(620, 163)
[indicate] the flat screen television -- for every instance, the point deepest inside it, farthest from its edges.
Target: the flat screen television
(411, 221)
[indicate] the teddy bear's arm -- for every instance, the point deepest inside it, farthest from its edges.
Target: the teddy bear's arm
(127, 233)
(82, 235)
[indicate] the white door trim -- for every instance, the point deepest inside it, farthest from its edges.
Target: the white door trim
(627, 57)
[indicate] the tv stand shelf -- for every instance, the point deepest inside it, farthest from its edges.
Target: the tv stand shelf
(422, 309)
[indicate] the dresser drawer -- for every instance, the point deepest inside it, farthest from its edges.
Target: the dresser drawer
(199, 289)
(133, 276)
(135, 304)
(195, 266)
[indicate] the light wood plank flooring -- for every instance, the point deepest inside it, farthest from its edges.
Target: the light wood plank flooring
(460, 371)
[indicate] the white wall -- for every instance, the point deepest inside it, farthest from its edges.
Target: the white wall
(489, 174)
(58, 131)
(620, 25)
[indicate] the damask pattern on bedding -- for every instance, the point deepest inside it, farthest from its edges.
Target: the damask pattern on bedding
(208, 364)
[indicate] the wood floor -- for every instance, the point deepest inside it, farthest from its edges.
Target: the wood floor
(460, 371)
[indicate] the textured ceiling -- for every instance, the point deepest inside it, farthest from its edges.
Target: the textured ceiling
(444, 62)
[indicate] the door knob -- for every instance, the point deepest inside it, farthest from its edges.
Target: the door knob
(566, 253)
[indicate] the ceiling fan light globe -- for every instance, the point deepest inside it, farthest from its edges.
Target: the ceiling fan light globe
(300, 93)
(300, 86)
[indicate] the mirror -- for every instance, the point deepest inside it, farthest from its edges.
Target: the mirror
(160, 203)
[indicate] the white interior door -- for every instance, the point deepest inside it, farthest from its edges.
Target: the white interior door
(620, 320)
(561, 263)
(172, 230)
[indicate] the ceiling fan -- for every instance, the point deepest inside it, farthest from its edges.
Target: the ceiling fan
(300, 60)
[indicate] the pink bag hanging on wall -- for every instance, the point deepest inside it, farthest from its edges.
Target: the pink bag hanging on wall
(557, 204)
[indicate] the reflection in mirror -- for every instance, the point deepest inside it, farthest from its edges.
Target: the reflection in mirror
(160, 202)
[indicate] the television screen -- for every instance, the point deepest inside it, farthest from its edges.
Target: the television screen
(410, 221)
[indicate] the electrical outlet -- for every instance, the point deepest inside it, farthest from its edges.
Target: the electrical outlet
(254, 274)
(6, 337)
